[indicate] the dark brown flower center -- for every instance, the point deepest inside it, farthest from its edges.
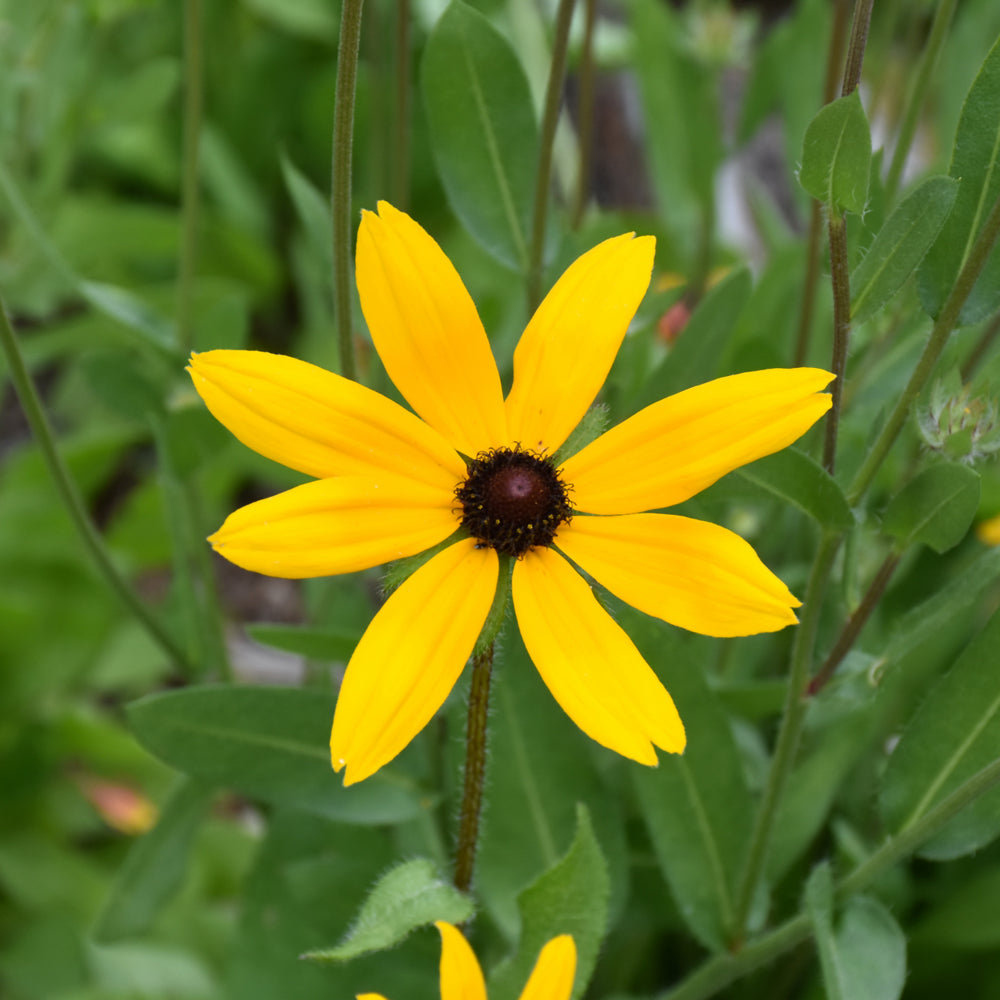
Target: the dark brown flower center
(513, 500)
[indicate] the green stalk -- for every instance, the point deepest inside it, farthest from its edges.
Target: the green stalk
(856, 49)
(190, 192)
(401, 110)
(585, 136)
(718, 972)
(788, 735)
(475, 768)
(981, 348)
(543, 177)
(915, 97)
(946, 322)
(340, 198)
(71, 498)
(840, 277)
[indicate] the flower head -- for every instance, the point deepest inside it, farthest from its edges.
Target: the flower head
(476, 470)
(462, 979)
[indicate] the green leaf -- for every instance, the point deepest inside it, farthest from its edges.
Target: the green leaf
(313, 211)
(935, 508)
(900, 246)
(331, 644)
(865, 958)
(836, 156)
(570, 898)
(483, 130)
(696, 806)
(968, 917)
(953, 735)
(695, 357)
(406, 897)
(155, 865)
(975, 164)
(268, 742)
(798, 479)
(128, 309)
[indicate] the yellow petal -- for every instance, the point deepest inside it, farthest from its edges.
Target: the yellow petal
(690, 573)
(369, 996)
(409, 659)
(336, 526)
(552, 977)
(988, 532)
(427, 332)
(588, 662)
(566, 351)
(461, 976)
(319, 423)
(678, 446)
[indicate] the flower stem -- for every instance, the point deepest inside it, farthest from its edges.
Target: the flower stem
(475, 768)
(945, 323)
(841, 280)
(834, 55)
(190, 191)
(718, 972)
(788, 735)
(915, 97)
(586, 114)
(543, 176)
(855, 623)
(401, 110)
(71, 498)
(856, 49)
(982, 346)
(340, 198)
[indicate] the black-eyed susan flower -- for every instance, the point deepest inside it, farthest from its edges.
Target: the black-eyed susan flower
(476, 469)
(462, 978)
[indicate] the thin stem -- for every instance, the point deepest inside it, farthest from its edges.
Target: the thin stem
(915, 97)
(190, 190)
(586, 114)
(543, 176)
(340, 199)
(788, 735)
(401, 109)
(718, 972)
(856, 50)
(985, 342)
(840, 276)
(855, 623)
(70, 495)
(475, 768)
(834, 56)
(946, 321)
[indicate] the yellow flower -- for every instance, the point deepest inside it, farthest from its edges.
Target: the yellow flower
(462, 979)
(476, 469)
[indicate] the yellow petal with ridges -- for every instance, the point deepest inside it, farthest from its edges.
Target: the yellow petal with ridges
(552, 977)
(317, 422)
(461, 976)
(427, 332)
(588, 662)
(691, 573)
(410, 658)
(680, 445)
(336, 526)
(567, 349)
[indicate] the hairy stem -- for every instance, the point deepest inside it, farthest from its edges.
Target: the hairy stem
(190, 190)
(856, 49)
(841, 280)
(586, 114)
(340, 198)
(475, 768)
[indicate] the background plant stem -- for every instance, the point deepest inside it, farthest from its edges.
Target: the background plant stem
(841, 280)
(475, 768)
(340, 198)
(190, 189)
(585, 130)
(543, 176)
(71, 498)
(401, 110)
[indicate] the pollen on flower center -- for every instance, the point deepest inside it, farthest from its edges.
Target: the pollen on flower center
(513, 500)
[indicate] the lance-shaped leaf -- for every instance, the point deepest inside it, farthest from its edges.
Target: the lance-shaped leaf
(864, 958)
(836, 156)
(952, 736)
(409, 896)
(483, 130)
(975, 164)
(570, 898)
(935, 508)
(335, 644)
(268, 742)
(900, 245)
